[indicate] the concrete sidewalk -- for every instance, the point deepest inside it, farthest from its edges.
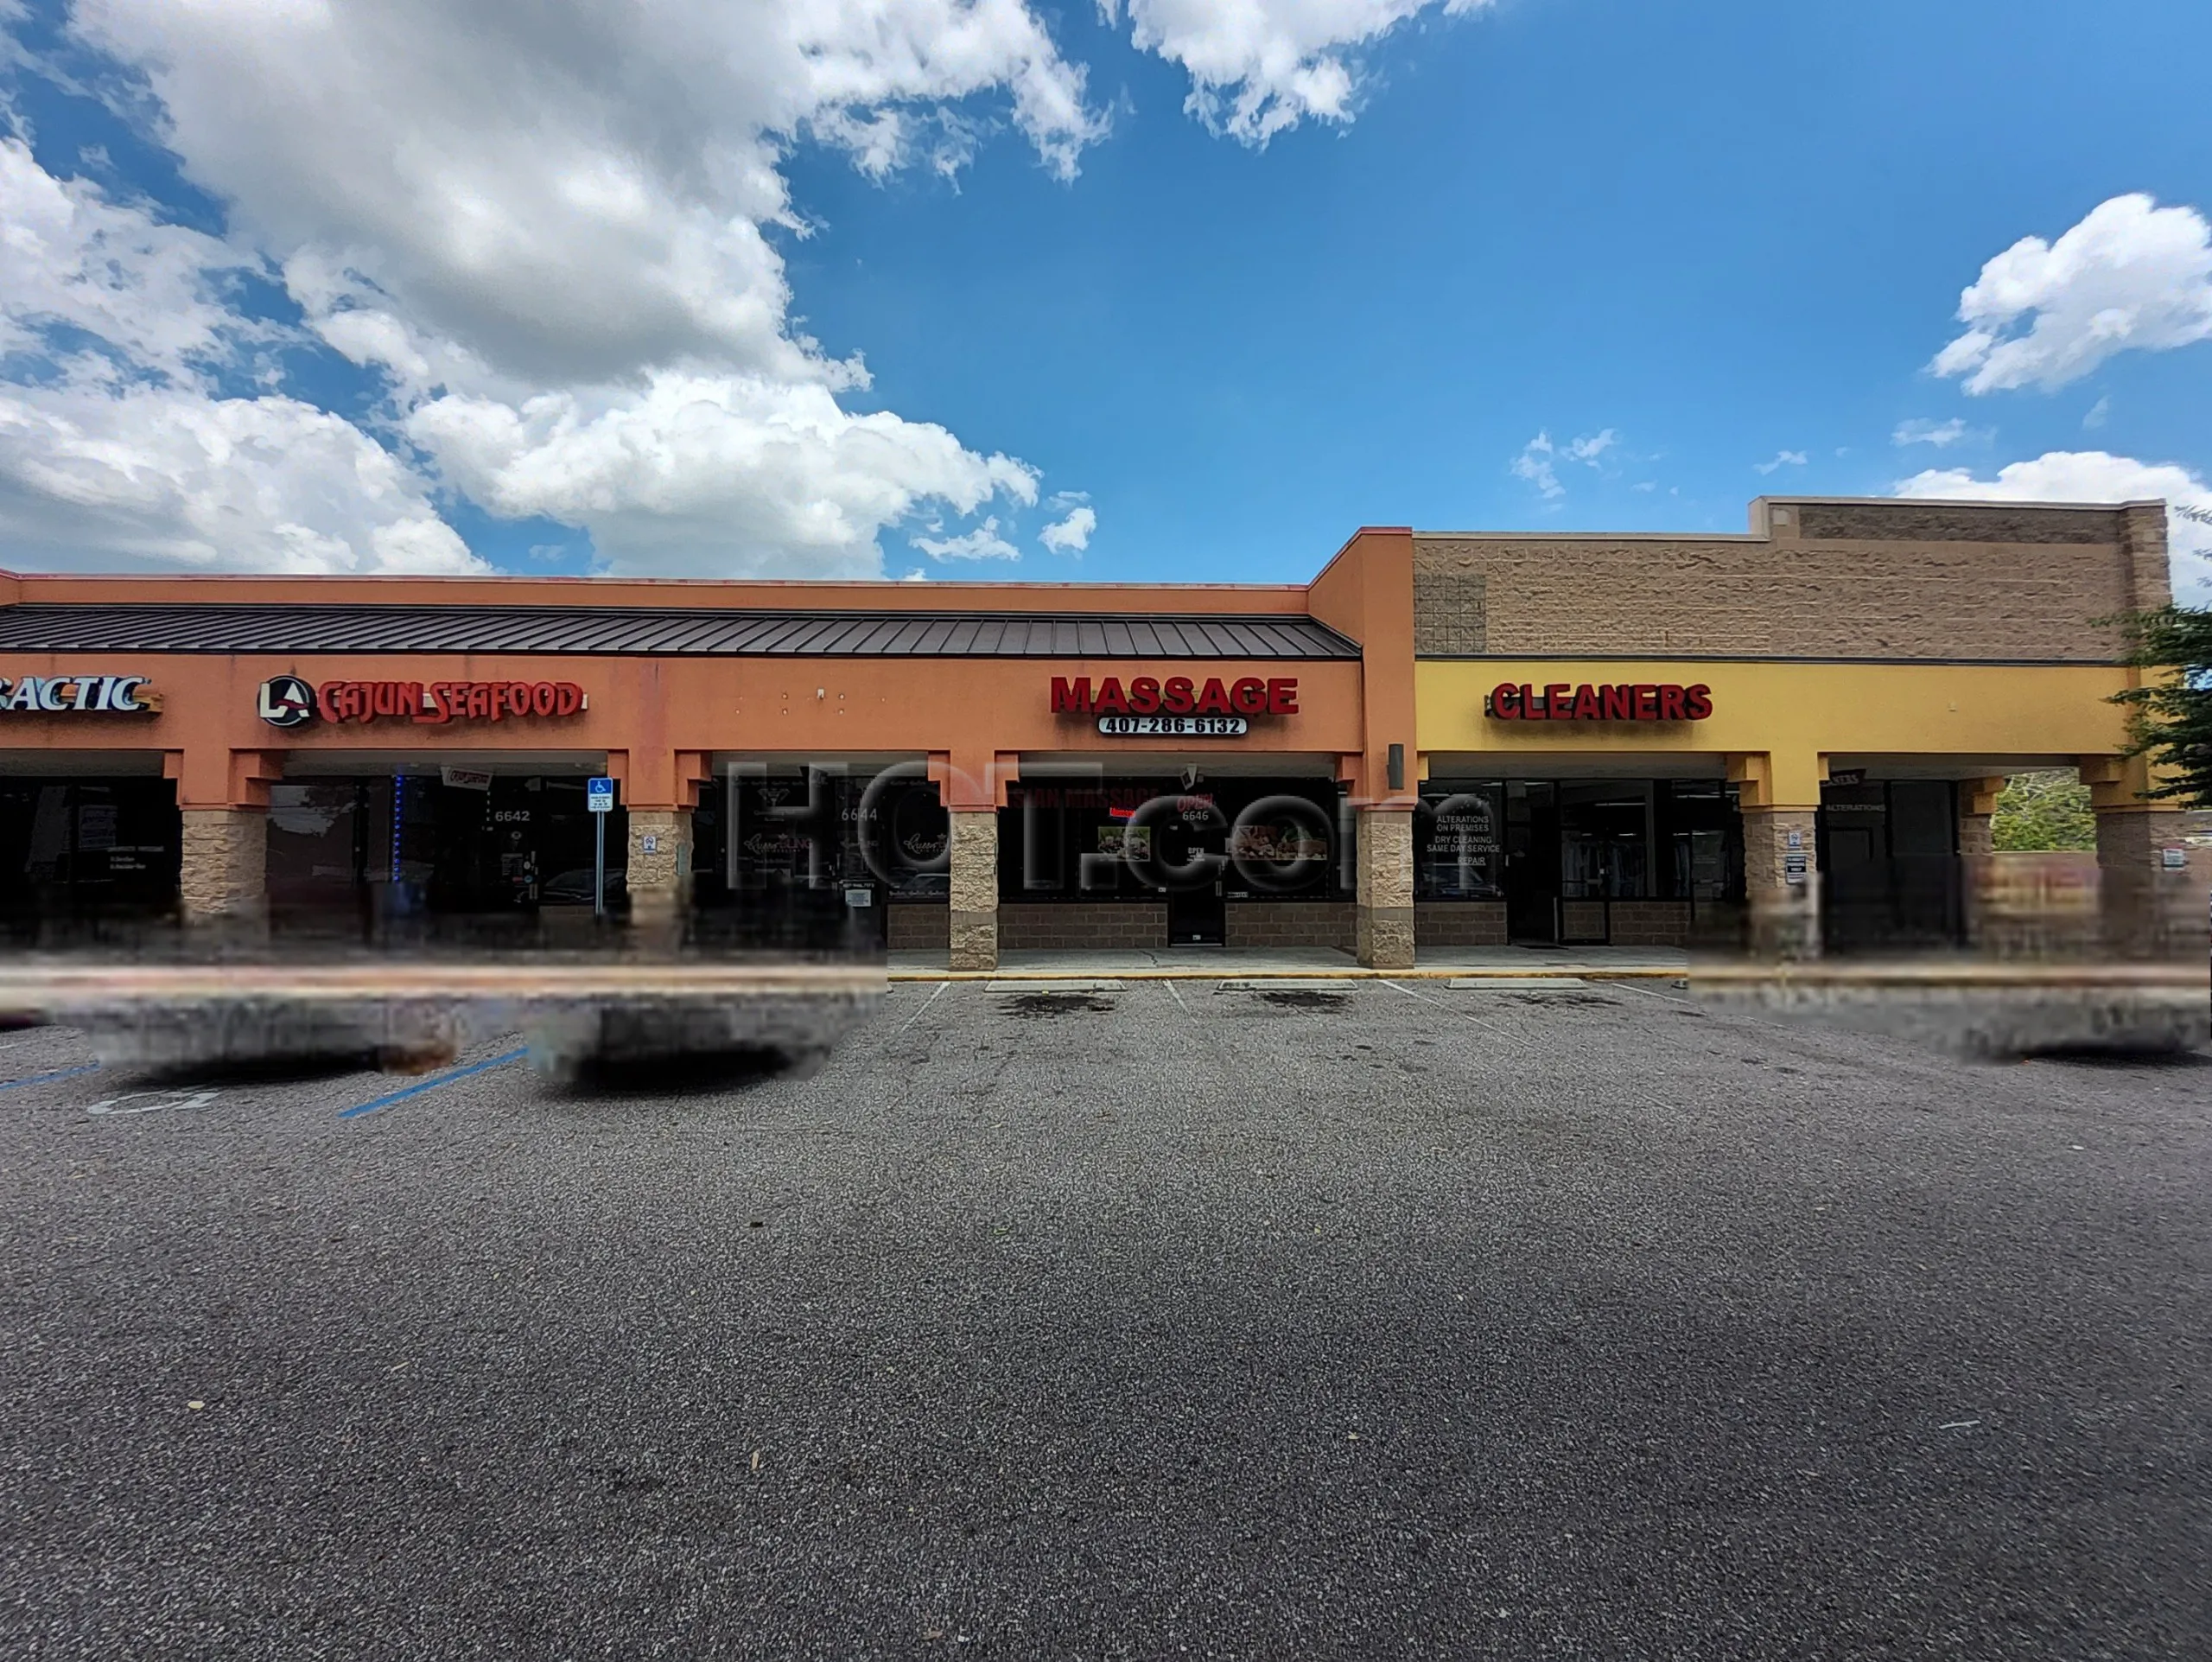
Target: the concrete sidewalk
(1565, 963)
(1298, 964)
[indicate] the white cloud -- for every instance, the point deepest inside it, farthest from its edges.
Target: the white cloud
(70, 256)
(700, 474)
(96, 472)
(547, 236)
(1539, 460)
(1535, 465)
(2097, 413)
(2130, 275)
(2096, 477)
(573, 192)
(1782, 459)
(552, 239)
(1259, 66)
(1071, 535)
(984, 543)
(1941, 434)
(117, 446)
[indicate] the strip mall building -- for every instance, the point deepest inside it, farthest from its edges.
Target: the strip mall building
(1788, 738)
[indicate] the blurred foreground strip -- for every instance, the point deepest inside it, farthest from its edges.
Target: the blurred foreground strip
(411, 1018)
(1992, 1009)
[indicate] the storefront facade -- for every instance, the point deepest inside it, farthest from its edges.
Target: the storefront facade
(1787, 739)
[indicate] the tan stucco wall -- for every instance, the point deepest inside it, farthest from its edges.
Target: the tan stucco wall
(1823, 580)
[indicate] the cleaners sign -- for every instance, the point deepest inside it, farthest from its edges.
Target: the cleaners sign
(77, 695)
(1644, 701)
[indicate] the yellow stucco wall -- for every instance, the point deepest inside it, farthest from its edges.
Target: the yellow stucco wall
(1795, 713)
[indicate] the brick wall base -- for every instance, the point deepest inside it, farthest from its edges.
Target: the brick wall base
(917, 926)
(1077, 926)
(1459, 923)
(1290, 923)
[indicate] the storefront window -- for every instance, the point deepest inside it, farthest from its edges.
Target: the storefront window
(1132, 838)
(823, 829)
(87, 846)
(319, 839)
(1701, 842)
(1458, 847)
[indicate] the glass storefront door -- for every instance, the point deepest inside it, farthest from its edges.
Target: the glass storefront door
(1532, 860)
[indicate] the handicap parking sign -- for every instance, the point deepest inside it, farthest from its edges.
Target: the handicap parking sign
(599, 795)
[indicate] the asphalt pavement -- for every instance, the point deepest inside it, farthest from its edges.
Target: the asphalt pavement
(1394, 1321)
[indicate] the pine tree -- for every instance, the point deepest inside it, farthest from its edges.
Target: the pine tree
(2170, 719)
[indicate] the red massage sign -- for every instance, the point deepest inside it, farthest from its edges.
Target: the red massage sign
(1642, 701)
(1176, 706)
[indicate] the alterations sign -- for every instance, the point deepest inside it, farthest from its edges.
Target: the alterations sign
(78, 695)
(1175, 706)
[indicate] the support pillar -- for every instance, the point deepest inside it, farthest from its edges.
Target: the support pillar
(1781, 883)
(658, 864)
(223, 875)
(659, 788)
(1977, 857)
(223, 802)
(2146, 907)
(1778, 795)
(972, 785)
(1384, 918)
(974, 884)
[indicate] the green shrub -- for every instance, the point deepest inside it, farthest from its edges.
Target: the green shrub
(2047, 809)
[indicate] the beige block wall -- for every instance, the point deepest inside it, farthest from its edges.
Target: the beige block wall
(1850, 580)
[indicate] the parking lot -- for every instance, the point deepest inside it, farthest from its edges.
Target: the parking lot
(1167, 1320)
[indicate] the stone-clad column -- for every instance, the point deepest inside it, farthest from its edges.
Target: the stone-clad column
(225, 871)
(1782, 882)
(2146, 908)
(658, 863)
(975, 889)
(1977, 856)
(1384, 918)
(223, 801)
(1778, 794)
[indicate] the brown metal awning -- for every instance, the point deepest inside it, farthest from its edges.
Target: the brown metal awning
(637, 632)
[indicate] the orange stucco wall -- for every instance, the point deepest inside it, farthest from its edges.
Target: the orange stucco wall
(659, 720)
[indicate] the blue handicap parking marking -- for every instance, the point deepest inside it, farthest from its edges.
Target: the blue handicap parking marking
(417, 1089)
(47, 1078)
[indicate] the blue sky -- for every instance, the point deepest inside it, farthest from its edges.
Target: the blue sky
(1558, 265)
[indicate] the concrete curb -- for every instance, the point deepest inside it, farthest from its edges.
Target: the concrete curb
(1993, 976)
(1238, 972)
